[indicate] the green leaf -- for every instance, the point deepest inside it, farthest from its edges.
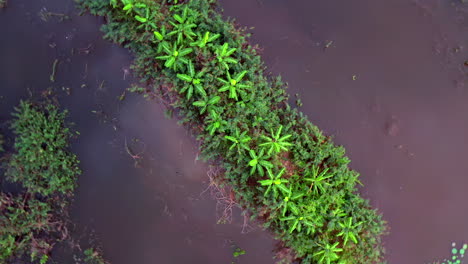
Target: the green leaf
(184, 77)
(127, 7)
(199, 103)
(141, 19)
(158, 35)
(214, 100)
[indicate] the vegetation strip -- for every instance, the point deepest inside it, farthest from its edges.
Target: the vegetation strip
(35, 219)
(280, 167)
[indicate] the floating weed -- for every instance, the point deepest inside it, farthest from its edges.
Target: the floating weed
(457, 255)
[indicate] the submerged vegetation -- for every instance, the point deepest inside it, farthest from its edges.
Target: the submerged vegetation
(35, 219)
(281, 168)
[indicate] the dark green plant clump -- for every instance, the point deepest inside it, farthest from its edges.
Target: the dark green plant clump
(34, 220)
(282, 169)
(3, 3)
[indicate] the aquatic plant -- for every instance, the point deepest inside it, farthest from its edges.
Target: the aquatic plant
(41, 162)
(457, 255)
(245, 125)
(35, 218)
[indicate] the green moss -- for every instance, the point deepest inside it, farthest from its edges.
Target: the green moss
(308, 196)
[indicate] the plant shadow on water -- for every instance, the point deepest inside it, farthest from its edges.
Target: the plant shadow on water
(387, 79)
(141, 189)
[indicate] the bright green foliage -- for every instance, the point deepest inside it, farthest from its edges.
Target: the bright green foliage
(183, 27)
(215, 123)
(176, 56)
(207, 103)
(298, 221)
(302, 205)
(328, 253)
(194, 81)
(349, 231)
(318, 180)
(233, 85)
(42, 162)
(223, 54)
(289, 203)
(259, 162)
(160, 38)
(275, 183)
(275, 142)
(239, 140)
(203, 40)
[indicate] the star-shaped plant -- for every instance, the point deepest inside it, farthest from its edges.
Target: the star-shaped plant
(205, 39)
(328, 253)
(275, 183)
(259, 162)
(300, 221)
(215, 122)
(318, 180)
(206, 103)
(233, 85)
(288, 203)
(175, 58)
(349, 231)
(223, 54)
(276, 142)
(239, 140)
(183, 26)
(194, 81)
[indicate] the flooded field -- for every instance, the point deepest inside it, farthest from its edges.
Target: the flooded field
(387, 79)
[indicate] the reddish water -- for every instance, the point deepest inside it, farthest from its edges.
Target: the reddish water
(403, 121)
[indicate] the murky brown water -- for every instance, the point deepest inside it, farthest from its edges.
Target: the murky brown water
(402, 119)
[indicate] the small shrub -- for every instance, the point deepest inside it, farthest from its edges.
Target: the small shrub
(42, 162)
